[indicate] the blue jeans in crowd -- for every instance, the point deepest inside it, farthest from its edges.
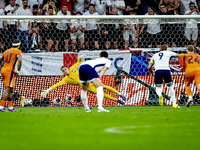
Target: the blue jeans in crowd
(25, 37)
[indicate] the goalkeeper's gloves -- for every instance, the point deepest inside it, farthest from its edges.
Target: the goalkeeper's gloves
(81, 58)
(45, 92)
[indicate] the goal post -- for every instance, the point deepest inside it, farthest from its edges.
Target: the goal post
(54, 41)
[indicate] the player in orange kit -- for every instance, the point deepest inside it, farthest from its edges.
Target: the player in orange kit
(12, 61)
(192, 71)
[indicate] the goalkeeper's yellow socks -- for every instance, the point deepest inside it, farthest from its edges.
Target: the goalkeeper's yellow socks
(175, 106)
(110, 89)
(109, 97)
(161, 100)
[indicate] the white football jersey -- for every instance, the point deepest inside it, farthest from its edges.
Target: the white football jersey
(161, 60)
(62, 25)
(98, 63)
(92, 25)
(100, 6)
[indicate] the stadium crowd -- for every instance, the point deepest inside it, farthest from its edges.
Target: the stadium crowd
(75, 35)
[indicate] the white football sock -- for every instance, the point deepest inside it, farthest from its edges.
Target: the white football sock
(100, 97)
(159, 90)
(172, 94)
(1, 107)
(11, 108)
(190, 98)
(84, 99)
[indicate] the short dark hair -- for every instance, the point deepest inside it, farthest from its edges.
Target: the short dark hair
(64, 5)
(191, 3)
(162, 4)
(35, 6)
(24, 0)
(78, 12)
(104, 54)
(63, 67)
(133, 12)
(92, 5)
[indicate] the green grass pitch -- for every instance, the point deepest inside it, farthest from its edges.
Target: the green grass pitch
(123, 128)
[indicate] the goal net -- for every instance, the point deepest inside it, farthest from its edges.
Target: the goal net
(53, 41)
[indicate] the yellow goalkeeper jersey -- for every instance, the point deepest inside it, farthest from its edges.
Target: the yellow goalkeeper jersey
(72, 78)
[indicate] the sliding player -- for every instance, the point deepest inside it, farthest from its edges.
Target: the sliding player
(12, 62)
(72, 77)
(192, 71)
(162, 71)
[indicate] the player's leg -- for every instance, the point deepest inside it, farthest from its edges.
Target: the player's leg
(99, 86)
(168, 80)
(158, 83)
(10, 101)
(73, 44)
(189, 76)
(84, 87)
(114, 91)
(82, 40)
(4, 98)
(66, 45)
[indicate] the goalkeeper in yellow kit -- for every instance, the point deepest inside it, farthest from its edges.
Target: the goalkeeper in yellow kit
(72, 77)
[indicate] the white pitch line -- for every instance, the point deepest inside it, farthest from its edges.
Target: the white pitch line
(123, 130)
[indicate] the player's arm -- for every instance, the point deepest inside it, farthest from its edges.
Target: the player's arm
(76, 65)
(19, 64)
(103, 71)
(62, 82)
(150, 67)
(181, 61)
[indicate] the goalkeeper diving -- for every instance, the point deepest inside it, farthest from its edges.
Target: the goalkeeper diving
(72, 77)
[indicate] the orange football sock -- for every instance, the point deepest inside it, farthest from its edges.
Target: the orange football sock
(3, 102)
(10, 103)
(188, 90)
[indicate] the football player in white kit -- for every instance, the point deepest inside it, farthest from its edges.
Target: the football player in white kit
(160, 61)
(88, 72)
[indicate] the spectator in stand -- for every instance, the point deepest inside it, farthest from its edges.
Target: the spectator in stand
(131, 5)
(79, 6)
(129, 30)
(68, 3)
(77, 30)
(46, 7)
(12, 30)
(86, 5)
(115, 31)
(36, 41)
(36, 10)
(170, 4)
(62, 29)
(24, 27)
(169, 31)
(119, 5)
(47, 32)
(2, 4)
(2, 30)
(191, 29)
(100, 6)
(30, 3)
(184, 6)
(152, 34)
(92, 29)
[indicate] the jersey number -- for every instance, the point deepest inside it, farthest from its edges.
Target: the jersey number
(161, 55)
(196, 60)
(8, 57)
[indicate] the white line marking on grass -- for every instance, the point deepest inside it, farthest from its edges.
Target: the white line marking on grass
(126, 129)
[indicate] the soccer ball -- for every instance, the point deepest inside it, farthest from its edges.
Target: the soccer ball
(68, 98)
(28, 102)
(56, 101)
